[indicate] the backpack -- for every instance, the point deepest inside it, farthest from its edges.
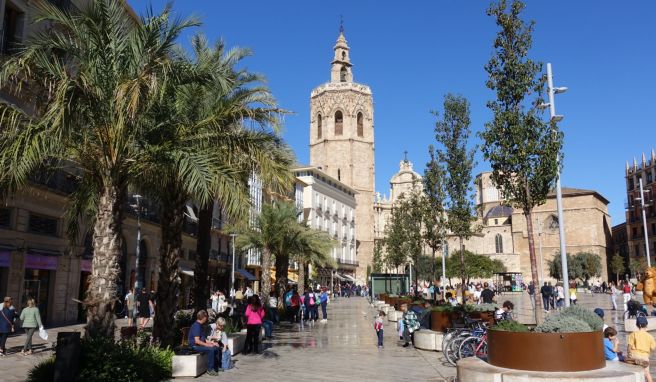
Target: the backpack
(311, 299)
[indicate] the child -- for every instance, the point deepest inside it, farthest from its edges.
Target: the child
(611, 344)
(378, 325)
(640, 344)
(505, 312)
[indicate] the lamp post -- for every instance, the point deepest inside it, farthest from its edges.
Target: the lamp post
(644, 221)
(233, 235)
(559, 197)
(138, 251)
(445, 253)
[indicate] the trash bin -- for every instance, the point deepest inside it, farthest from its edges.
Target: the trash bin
(67, 355)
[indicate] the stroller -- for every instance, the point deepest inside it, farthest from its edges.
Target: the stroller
(634, 309)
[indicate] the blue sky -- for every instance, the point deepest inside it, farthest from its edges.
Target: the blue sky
(411, 53)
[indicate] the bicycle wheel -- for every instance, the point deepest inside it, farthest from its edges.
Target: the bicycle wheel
(446, 339)
(468, 347)
(453, 355)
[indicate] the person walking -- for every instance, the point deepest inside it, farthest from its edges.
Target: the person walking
(254, 315)
(31, 322)
(626, 293)
(129, 306)
(378, 326)
(215, 301)
(546, 292)
(531, 293)
(295, 306)
(572, 296)
(323, 298)
(487, 295)
(560, 296)
(288, 304)
(6, 324)
(273, 307)
(613, 295)
(144, 303)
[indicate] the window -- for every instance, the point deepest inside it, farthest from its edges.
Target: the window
(649, 177)
(319, 126)
(637, 250)
(11, 31)
(339, 174)
(635, 232)
(342, 74)
(496, 221)
(498, 243)
(5, 218)
(630, 184)
(42, 225)
(360, 125)
(339, 123)
(343, 55)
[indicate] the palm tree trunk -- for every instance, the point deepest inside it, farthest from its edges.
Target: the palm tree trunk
(534, 264)
(203, 247)
(301, 277)
(282, 274)
(267, 260)
(107, 244)
(168, 285)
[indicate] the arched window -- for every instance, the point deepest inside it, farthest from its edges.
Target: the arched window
(342, 74)
(343, 55)
(339, 175)
(319, 126)
(360, 125)
(339, 123)
(498, 243)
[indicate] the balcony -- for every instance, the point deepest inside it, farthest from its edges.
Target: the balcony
(58, 181)
(354, 263)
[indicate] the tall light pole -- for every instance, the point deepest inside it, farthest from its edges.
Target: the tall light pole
(445, 253)
(644, 221)
(138, 251)
(559, 197)
(233, 235)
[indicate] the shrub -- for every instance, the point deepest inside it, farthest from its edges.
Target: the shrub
(510, 326)
(480, 307)
(585, 315)
(563, 324)
(43, 371)
(444, 308)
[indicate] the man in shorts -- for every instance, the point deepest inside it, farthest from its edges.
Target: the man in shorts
(129, 306)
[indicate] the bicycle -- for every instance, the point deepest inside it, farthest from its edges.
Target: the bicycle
(475, 328)
(474, 346)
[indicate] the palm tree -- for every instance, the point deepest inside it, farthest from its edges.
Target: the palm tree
(200, 156)
(92, 76)
(312, 247)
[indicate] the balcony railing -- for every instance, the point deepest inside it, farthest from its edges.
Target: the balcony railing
(348, 262)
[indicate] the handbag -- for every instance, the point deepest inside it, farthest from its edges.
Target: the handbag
(9, 322)
(43, 334)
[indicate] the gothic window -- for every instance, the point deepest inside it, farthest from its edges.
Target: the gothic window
(342, 74)
(552, 223)
(339, 123)
(319, 126)
(498, 243)
(339, 174)
(360, 125)
(343, 55)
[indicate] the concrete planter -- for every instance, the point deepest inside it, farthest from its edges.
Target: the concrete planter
(630, 324)
(394, 316)
(191, 365)
(439, 337)
(483, 316)
(425, 339)
(546, 351)
(236, 342)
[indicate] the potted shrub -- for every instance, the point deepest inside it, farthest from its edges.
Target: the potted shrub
(484, 312)
(443, 317)
(567, 341)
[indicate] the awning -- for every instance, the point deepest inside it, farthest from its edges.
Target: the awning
(347, 278)
(246, 274)
(339, 277)
(186, 271)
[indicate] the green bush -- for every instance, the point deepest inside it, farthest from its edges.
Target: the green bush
(563, 324)
(585, 315)
(510, 326)
(480, 307)
(43, 371)
(444, 308)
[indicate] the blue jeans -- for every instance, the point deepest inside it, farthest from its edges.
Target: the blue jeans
(212, 354)
(226, 360)
(545, 303)
(323, 310)
(268, 328)
(380, 337)
(273, 313)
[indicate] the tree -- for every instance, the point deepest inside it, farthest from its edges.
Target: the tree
(452, 131)
(617, 267)
(588, 265)
(555, 267)
(522, 149)
(396, 238)
(433, 213)
(310, 247)
(413, 209)
(378, 257)
(637, 265)
(476, 266)
(93, 74)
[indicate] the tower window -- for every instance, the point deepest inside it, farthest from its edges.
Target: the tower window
(342, 74)
(498, 243)
(343, 55)
(339, 175)
(360, 125)
(319, 126)
(339, 123)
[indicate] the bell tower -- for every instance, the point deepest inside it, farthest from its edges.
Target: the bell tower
(342, 142)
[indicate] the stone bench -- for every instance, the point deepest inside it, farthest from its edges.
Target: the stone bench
(439, 337)
(630, 324)
(425, 339)
(475, 370)
(236, 342)
(394, 316)
(191, 365)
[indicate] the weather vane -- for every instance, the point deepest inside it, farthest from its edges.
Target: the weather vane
(405, 156)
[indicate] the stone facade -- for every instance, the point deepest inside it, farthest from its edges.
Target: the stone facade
(342, 143)
(645, 170)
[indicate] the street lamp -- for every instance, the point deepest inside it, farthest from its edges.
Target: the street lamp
(138, 251)
(644, 221)
(233, 236)
(559, 197)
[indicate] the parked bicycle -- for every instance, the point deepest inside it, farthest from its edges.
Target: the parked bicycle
(454, 339)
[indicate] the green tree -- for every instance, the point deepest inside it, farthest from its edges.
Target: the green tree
(637, 265)
(555, 267)
(378, 257)
(617, 267)
(396, 238)
(588, 265)
(522, 149)
(434, 221)
(413, 209)
(92, 75)
(310, 247)
(452, 131)
(476, 266)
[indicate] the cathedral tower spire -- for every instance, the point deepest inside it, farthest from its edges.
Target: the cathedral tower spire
(341, 65)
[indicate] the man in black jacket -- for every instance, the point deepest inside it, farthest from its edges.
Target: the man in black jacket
(547, 292)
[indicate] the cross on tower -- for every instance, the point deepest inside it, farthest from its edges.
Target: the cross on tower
(405, 156)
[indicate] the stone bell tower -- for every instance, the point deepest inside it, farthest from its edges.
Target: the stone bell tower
(342, 142)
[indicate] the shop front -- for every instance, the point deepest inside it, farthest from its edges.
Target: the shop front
(39, 281)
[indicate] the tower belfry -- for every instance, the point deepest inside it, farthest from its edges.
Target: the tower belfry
(342, 142)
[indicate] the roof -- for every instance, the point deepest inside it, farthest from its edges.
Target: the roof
(499, 211)
(318, 172)
(568, 191)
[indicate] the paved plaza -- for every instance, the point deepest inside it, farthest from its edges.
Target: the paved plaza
(344, 348)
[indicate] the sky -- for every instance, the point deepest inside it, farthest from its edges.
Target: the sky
(412, 53)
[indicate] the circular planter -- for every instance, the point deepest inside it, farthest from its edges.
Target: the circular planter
(483, 316)
(441, 321)
(546, 351)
